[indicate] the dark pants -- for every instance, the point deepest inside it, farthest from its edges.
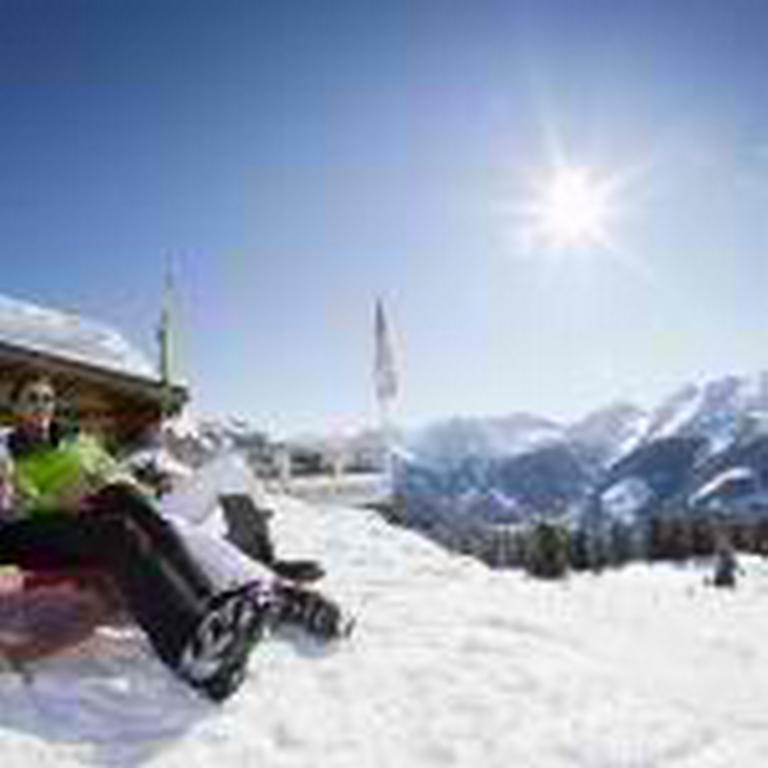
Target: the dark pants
(122, 534)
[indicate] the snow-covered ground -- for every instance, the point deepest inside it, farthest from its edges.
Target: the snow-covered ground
(345, 490)
(451, 665)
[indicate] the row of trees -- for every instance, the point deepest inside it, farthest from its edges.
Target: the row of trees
(549, 548)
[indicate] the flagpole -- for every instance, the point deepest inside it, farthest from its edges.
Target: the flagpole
(385, 425)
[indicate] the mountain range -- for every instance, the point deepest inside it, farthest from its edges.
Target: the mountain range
(620, 460)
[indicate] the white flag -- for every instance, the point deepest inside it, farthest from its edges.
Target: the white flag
(384, 373)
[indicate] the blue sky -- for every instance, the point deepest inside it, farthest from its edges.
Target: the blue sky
(300, 158)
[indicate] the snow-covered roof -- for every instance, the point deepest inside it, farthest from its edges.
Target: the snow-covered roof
(69, 336)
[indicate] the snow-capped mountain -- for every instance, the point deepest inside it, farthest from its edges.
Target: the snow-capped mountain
(609, 433)
(720, 410)
(620, 461)
(447, 444)
(695, 441)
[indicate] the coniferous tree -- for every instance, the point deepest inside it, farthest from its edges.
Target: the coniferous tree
(548, 548)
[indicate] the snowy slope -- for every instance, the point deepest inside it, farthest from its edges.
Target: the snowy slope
(451, 665)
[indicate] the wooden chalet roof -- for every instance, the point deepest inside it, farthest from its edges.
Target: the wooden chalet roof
(69, 345)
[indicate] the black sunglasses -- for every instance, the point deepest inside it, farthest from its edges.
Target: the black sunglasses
(39, 398)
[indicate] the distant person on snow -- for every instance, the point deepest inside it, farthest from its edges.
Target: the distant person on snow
(64, 505)
(726, 566)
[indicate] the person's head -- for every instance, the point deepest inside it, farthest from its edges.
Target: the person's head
(33, 402)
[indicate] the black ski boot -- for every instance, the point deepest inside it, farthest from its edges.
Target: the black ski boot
(215, 659)
(304, 571)
(313, 612)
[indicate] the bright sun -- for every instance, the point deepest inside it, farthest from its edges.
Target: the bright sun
(571, 210)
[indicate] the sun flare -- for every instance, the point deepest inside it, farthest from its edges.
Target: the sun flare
(571, 210)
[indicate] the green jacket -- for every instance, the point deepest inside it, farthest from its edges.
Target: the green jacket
(52, 477)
